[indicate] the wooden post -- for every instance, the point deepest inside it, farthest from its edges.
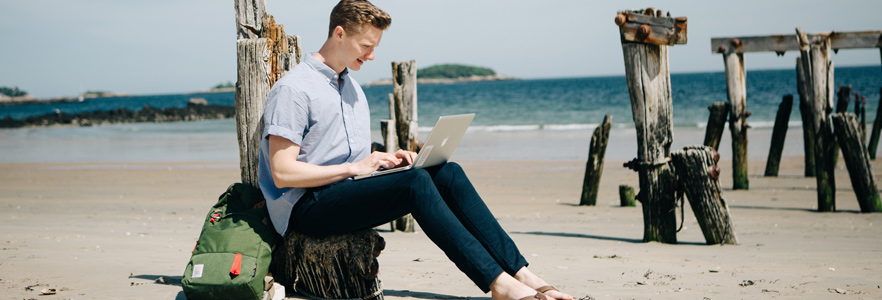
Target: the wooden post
(844, 96)
(736, 87)
(818, 73)
(698, 178)
(857, 161)
(805, 110)
(404, 87)
(626, 195)
(594, 167)
(387, 128)
(860, 103)
(716, 123)
(264, 54)
(404, 80)
(877, 128)
(779, 133)
(645, 37)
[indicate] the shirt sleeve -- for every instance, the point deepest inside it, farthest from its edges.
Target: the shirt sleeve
(286, 114)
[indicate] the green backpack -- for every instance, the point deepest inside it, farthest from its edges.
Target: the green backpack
(233, 253)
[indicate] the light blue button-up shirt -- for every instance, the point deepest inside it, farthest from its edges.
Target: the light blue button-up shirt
(326, 114)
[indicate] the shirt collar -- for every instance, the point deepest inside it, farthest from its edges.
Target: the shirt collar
(324, 69)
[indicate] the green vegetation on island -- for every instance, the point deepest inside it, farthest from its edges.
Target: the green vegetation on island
(227, 85)
(12, 92)
(453, 71)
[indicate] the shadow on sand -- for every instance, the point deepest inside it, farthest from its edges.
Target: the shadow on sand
(597, 237)
(425, 295)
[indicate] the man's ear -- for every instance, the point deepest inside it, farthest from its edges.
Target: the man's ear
(339, 31)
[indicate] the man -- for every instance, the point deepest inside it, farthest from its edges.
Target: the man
(317, 135)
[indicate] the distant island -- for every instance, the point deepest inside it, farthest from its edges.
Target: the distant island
(450, 73)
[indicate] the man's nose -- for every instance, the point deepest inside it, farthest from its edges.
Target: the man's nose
(370, 55)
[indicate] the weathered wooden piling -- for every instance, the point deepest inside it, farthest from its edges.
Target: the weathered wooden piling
(844, 99)
(736, 89)
(404, 87)
(860, 103)
(387, 128)
(626, 195)
(264, 53)
(645, 37)
(698, 178)
(805, 110)
(779, 133)
(817, 75)
(716, 123)
(877, 128)
(780, 44)
(594, 167)
(857, 160)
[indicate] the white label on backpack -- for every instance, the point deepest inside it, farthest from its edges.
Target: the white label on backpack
(197, 271)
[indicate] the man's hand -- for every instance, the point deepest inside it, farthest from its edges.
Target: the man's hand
(378, 160)
(374, 162)
(407, 157)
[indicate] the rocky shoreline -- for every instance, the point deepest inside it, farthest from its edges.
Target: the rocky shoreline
(195, 110)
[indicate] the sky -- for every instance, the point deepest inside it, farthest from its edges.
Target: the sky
(53, 48)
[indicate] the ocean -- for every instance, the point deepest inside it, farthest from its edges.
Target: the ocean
(516, 119)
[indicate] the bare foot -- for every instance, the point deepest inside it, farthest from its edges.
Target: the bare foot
(506, 287)
(528, 278)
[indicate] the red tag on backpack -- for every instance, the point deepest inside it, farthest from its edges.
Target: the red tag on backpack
(237, 264)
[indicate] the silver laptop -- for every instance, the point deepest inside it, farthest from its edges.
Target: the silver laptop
(439, 146)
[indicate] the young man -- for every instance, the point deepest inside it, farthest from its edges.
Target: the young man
(317, 135)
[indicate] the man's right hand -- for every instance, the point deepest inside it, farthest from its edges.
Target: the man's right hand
(374, 162)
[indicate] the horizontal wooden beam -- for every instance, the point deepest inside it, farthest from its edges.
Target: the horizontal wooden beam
(788, 42)
(650, 27)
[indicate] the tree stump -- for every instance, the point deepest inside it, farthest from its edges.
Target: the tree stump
(857, 160)
(340, 266)
(698, 177)
(594, 167)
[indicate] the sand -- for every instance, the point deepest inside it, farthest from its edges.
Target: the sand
(111, 230)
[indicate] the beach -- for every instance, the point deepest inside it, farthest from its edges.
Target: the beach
(122, 226)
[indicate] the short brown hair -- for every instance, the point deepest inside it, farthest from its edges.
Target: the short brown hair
(352, 14)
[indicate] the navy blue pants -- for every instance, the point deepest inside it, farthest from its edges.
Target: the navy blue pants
(441, 199)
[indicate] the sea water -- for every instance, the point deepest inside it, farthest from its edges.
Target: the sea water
(515, 119)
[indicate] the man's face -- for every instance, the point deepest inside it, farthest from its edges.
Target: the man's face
(359, 47)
